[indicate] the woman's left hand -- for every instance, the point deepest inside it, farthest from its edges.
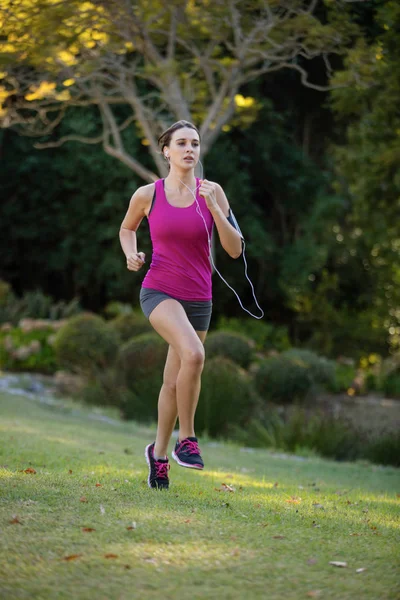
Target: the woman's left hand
(209, 192)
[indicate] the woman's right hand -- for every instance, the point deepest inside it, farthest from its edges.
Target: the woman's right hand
(135, 261)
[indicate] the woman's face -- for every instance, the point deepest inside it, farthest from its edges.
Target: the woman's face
(184, 148)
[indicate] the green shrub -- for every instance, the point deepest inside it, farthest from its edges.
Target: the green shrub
(86, 345)
(140, 364)
(344, 377)
(33, 305)
(24, 349)
(230, 345)
(385, 450)
(130, 325)
(391, 385)
(283, 379)
(298, 430)
(322, 369)
(107, 390)
(227, 397)
(266, 336)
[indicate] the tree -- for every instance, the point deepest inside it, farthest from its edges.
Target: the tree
(146, 63)
(367, 169)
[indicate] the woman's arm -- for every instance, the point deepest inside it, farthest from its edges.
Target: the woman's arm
(218, 205)
(139, 207)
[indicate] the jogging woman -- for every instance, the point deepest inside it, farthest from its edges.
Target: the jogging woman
(176, 293)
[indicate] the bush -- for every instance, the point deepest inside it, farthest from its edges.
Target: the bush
(28, 349)
(385, 450)
(227, 397)
(33, 305)
(86, 345)
(344, 378)
(391, 385)
(234, 346)
(140, 365)
(320, 433)
(283, 379)
(107, 390)
(266, 336)
(322, 369)
(130, 325)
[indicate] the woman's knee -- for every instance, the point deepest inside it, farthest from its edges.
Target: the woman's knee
(193, 357)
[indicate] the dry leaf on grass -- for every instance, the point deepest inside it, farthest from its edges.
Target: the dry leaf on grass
(313, 593)
(88, 529)
(111, 555)
(294, 500)
(72, 557)
(317, 505)
(69, 471)
(15, 520)
(312, 561)
(278, 537)
(338, 563)
(360, 570)
(83, 499)
(99, 485)
(228, 488)
(133, 526)
(30, 470)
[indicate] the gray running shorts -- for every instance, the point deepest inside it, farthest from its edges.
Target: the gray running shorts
(198, 312)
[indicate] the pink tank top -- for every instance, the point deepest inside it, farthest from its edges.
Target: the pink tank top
(180, 264)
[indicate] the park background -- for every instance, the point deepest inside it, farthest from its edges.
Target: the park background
(297, 104)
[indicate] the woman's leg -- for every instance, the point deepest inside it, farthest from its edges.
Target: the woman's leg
(170, 321)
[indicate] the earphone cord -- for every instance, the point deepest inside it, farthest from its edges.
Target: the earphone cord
(198, 210)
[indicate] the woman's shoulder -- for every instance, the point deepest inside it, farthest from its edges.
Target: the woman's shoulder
(145, 192)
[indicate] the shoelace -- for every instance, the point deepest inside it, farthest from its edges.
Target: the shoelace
(190, 447)
(161, 470)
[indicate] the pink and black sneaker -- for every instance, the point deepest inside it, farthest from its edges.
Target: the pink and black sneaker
(187, 453)
(158, 470)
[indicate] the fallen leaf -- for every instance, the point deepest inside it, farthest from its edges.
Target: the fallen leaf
(355, 534)
(294, 500)
(227, 488)
(312, 561)
(360, 570)
(235, 552)
(83, 499)
(338, 563)
(278, 537)
(127, 567)
(276, 484)
(99, 485)
(69, 471)
(30, 470)
(313, 593)
(72, 557)
(88, 529)
(110, 555)
(15, 520)
(150, 559)
(133, 526)
(187, 521)
(317, 505)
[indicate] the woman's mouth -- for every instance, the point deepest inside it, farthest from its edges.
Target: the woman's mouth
(189, 158)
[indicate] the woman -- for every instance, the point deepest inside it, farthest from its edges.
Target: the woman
(176, 291)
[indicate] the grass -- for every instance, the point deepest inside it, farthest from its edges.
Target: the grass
(272, 537)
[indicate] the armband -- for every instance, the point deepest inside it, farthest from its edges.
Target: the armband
(234, 223)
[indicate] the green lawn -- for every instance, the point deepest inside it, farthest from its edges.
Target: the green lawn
(272, 537)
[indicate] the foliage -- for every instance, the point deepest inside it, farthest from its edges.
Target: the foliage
(319, 433)
(226, 398)
(130, 325)
(140, 364)
(86, 345)
(322, 370)
(344, 377)
(33, 305)
(385, 450)
(82, 61)
(265, 335)
(235, 346)
(367, 173)
(25, 349)
(283, 379)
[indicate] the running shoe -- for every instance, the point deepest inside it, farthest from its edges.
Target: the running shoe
(158, 470)
(187, 453)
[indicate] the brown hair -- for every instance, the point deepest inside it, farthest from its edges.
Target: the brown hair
(165, 138)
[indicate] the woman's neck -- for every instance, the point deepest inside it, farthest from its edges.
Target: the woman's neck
(178, 180)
